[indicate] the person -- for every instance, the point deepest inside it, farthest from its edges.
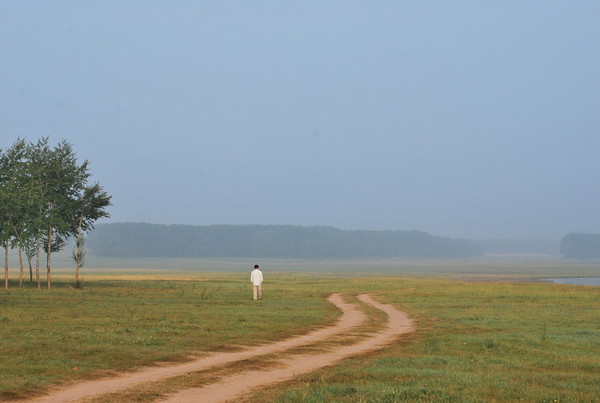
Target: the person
(256, 278)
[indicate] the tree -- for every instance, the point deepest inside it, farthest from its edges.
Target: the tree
(15, 202)
(65, 183)
(91, 206)
(4, 234)
(44, 200)
(39, 181)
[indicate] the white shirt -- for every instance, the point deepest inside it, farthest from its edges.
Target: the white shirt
(256, 278)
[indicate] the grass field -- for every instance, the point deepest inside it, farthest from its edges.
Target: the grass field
(485, 332)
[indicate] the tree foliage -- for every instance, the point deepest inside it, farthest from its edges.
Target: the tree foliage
(277, 241)
(580, 246)
(45, 199)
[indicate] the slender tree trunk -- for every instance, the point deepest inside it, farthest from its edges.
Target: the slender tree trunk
(48, 254)
(78, 254)
(30, 268)
(37, 262)
(20, 268)
(48, 270)
(77, 273)
(6, 265)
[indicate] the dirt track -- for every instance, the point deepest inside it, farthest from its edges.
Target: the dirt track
(230, 387)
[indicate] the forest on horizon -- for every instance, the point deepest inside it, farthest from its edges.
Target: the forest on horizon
(145, 240)
(133, 240)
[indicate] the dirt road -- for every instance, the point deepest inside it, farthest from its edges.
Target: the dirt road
(230, 387)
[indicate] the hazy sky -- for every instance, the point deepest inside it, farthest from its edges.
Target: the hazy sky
(475, 119)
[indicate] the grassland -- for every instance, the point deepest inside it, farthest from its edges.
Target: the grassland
(486, 331)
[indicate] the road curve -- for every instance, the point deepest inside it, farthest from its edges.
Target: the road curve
(234, 386)
(351, 317)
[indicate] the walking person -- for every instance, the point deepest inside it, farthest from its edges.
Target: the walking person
(256, 278)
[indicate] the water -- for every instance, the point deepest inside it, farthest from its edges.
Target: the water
(577, 280)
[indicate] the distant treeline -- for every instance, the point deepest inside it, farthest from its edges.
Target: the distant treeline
(269, 241)
(580, 246)
(520, 246)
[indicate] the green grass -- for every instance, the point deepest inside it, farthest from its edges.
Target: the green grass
(489, 340)
(122, 324)
(492, 342)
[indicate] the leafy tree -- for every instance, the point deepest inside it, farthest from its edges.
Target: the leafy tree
(90, 207)
(45, 199)
(4, 234)
(15, 202)
(39, 181)
(65, 182)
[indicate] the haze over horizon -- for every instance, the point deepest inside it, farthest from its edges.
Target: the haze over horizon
(461, 119)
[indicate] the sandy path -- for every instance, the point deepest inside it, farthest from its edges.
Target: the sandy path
(350, 317)
(232, 387)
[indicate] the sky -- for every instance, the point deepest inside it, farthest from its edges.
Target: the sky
(468, 119)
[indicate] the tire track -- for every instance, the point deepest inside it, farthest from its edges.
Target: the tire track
(235, 386)
(351, 317)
